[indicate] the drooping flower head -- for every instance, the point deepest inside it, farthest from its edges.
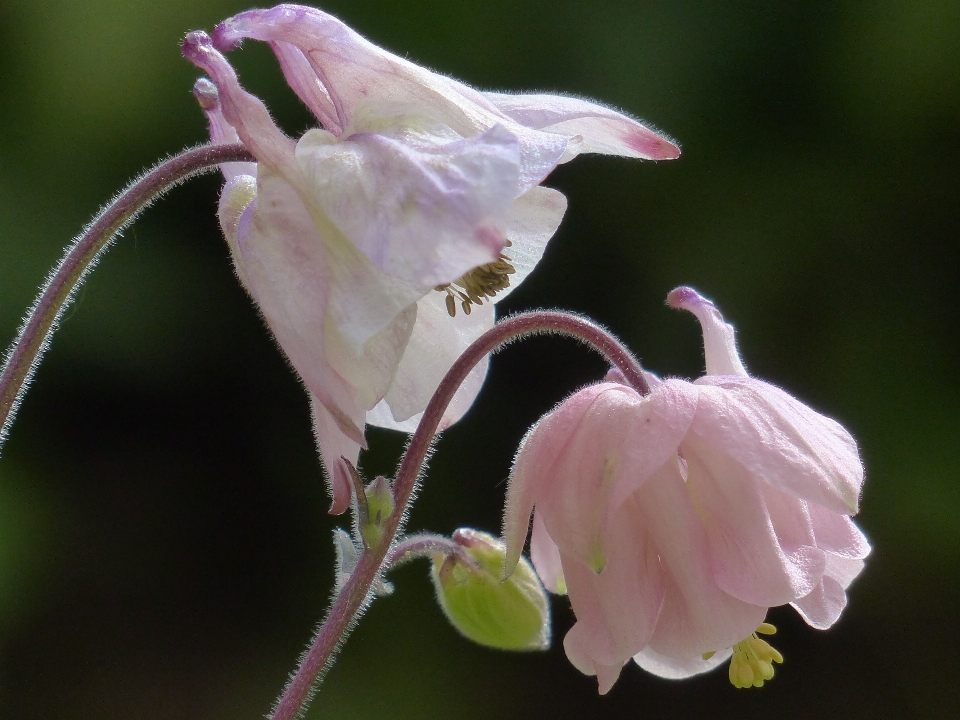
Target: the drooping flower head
(675, 520)
(374, 244)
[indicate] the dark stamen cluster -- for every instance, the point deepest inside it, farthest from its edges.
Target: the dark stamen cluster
(484, 281)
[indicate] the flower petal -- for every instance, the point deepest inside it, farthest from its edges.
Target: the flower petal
(746, 556)
(304, 82)
(719, 339)
(843, 570)
(435, 344)
(333, 444)
(546, 558)
(354, 70)
(822, 607)
(534, 218)
(576, 500)
(617, 608)
(838, 534)
(697, 616)
(371, 372)
(243, 111)
(603, 130)
(237, 194)
(653, 430)
(534, 464)
(424, 214)
(220, 130)
(679, 668)
(779, 439)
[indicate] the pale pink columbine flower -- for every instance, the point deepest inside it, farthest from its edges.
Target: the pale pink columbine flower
(375, 245)
(675, 520)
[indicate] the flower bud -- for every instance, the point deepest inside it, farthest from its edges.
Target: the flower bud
(511, 614)
(379, 502)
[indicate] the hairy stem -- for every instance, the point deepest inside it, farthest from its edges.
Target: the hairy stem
(21, 360)
(425, 545)
(356, 593)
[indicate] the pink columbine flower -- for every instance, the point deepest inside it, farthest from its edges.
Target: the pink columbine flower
(675, 520)
(373, 246)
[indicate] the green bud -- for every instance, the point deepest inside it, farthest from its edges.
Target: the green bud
(511, 614)
(379, 498)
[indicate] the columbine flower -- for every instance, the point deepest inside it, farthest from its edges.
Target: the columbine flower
(674, 521)
(374, 245)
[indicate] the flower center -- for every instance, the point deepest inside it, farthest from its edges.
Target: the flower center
(484, 281)
(753, 658)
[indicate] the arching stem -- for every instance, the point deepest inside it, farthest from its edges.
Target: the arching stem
(425, 545)
(24, 355)
(356, 593)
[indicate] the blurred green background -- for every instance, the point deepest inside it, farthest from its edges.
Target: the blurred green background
(164, 546)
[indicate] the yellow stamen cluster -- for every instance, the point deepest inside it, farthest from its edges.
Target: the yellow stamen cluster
(482, 282)
(753, 658)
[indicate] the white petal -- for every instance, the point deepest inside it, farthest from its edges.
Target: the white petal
(601, 129)
(678, 668)
(333, 445)
(435, 344)
(283, 262)
(534, 218)
(423, 214)
(354, 71)
(371, 372)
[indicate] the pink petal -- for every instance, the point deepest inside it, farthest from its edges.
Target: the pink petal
(533, 466)
(371, 372)
(575, 501)
(546, 558)
(837, 534)
(697, 616)
(235, 197)
(353, 71)
(822, 607)
(334, 444)
(602, 129)
(246, 113)
(843, 570)
(220, 130)
(653, 428)
(780, 440)
(719, 340)
(577, 645)
(747, 558)
(616, 609)
(304, 82)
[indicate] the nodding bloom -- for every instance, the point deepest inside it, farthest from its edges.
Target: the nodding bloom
(675, 520)
(375, 244)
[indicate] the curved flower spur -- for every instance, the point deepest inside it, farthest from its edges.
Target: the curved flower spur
(675, 520)
(375, 246)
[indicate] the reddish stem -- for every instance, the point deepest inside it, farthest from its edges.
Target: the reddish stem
(356, 593)
(21, 360)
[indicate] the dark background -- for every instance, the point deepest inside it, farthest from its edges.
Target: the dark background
(164, 546)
